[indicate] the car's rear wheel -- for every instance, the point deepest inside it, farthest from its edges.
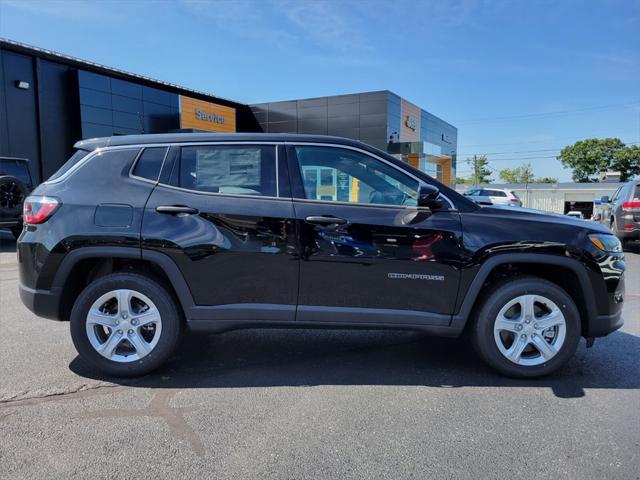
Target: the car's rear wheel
(125, 324)
(526, 327)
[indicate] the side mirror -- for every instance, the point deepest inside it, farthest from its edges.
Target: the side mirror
(428, 196)
(605, 199)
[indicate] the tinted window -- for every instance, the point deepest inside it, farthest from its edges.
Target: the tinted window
(150, 163)
(496, 193)
(244, 170)
(636, 192)
(16, 168)
(343, 175)
(75, 158)
(515, 194)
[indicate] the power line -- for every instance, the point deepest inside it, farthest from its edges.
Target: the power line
(556, 113)
(526, 151)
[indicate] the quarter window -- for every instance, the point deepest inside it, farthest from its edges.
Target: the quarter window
(150, 163)
(239, 170)
(342, 175)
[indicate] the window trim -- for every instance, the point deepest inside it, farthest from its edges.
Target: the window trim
(383, 160)
(135, 162)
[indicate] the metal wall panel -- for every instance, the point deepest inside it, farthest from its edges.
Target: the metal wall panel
(23, 138)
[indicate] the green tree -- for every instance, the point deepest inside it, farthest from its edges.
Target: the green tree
(481, 171)
(521, 174)
(546, 180)
(588, 158)
(462, 181)
(627, 162)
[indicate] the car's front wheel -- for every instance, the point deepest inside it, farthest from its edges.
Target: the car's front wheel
(526, 327)
(125, 324)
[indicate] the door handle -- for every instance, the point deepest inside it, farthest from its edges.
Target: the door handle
(325, 220)
(180, 210)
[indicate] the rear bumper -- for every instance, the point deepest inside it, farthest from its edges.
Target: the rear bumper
(44, 303)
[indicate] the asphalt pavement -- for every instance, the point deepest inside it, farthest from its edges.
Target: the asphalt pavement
(296, 404)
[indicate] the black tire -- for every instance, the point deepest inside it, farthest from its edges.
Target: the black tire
(167, 306)
(497, 297)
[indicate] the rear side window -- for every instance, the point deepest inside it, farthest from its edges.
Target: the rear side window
(496, 193)
(69, 164)
(239, 170)
(149, 163)
(515, 194)
(15, 168)
(636, 192)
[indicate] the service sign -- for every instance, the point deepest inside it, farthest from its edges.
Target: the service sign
(208, 116)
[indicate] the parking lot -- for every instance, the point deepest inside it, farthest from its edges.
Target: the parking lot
(313, 404)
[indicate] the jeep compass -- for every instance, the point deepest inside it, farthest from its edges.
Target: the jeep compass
(137, 238)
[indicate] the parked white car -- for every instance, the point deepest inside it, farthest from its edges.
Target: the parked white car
(575, 214)
(494, 196)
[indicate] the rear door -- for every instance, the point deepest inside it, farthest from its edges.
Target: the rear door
(497, 197)
(224, 215)
(368, 253)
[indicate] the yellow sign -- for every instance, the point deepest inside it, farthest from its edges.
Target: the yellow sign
(201, 115)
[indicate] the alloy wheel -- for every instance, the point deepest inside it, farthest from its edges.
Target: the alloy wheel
(10, 195)
(123, 325)
(530, 330)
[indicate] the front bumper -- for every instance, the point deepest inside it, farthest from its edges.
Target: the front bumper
(44, 303)
(606, 324)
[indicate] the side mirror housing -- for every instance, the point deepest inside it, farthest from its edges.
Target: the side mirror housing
(428, 196)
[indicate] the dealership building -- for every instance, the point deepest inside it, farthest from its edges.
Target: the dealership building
(48, 101)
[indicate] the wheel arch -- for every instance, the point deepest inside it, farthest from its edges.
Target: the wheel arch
(567, 273)
(81, 266)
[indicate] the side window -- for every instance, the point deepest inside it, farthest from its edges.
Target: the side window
(342, 175)
(240, 170)
(149, 163)
(498, 193)
(615, 195)
(69, 164)
(636, 193)
(16, 168)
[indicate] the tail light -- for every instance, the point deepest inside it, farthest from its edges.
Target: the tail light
(514, 200)
(38, 208)
(631, 206)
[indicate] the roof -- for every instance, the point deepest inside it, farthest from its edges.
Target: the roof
(93, 143)
(94, 67)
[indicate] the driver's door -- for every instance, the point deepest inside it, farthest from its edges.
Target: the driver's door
(368, 253)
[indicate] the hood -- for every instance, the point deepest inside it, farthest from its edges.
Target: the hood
(541, 216)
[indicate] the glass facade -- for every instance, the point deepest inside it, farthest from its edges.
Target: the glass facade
(110, 106)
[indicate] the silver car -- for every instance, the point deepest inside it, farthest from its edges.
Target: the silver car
(621, 213)
(494, 196)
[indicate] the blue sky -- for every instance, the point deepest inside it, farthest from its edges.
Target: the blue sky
(520, 79)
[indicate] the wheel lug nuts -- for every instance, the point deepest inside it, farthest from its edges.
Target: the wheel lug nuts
(523, 336)
(119, 332)
(124, 315)
(134, 322)
(130, 332)
(117, 322)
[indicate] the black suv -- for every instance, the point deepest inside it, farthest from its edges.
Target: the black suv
(15, 184)
(138, 237)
